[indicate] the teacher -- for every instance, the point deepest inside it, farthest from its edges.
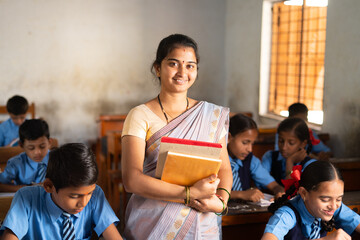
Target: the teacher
(172, 113)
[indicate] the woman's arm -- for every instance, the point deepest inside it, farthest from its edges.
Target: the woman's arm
(214, 204)
(225, 173)
(111, 233)
(135, 181)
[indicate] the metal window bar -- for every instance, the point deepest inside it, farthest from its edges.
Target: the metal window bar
(297, 61)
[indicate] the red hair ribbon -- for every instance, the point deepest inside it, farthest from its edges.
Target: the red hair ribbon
(294, 180)
(313, 140)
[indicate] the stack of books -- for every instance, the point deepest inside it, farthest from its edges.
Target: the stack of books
(184, 162)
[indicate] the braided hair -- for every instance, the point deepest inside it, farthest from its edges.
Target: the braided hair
(311, 178)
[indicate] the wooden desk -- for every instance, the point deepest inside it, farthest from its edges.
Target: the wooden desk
(5, 202)
(249, 221)
(105, 123)
(350, 170)
(110, 123)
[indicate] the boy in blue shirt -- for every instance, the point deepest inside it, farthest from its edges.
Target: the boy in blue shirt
(28, 167)
(69, 205)
(17, 106)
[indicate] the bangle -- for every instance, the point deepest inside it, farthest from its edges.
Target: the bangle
(222, 200)
(225, 191)
(187, 198)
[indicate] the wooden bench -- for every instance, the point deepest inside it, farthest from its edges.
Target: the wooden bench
(108, 154)
(30, 111)
(8, 152)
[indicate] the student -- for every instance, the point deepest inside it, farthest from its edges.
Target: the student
(17, 107)
(69, 201)
(245, 166)
(316, 210)
(172, 113)
(319, 150)
(28, 167)
(294, 147)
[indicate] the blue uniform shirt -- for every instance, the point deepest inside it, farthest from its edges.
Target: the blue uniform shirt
(33, 215)
(259, 174)
(22, 170)
(284, 219)
(8, 132)
(267, 161)
(321, 147)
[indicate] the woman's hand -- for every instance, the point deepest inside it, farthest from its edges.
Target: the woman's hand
(204, 188)
(338, 234)
(212, 204)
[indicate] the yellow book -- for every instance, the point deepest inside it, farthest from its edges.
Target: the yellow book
(185, 169)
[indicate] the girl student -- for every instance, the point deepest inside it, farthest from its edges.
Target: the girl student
(245, 166)
(294, 147)
(172, 113)
(316, 210)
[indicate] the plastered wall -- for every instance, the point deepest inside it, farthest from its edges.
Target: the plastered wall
(79, 59)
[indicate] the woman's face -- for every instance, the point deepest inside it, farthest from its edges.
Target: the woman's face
(178, 70)
(323, 202)
(241, 144)
(289, 143)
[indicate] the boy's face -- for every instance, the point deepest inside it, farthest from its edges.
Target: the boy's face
(241, 144)
(36, 149)
(18, 119)
(70, 199)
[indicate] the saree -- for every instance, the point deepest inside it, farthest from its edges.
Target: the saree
(155, 219)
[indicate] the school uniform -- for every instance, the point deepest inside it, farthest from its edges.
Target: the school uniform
(34, 215)
(285, 220)
(316, 148)
(245, 170)
(8, 132)
(21, 170)
(275, 164)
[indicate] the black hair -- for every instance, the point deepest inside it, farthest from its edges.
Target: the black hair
(299, 127)
(313, 175)
(17, 105)
(72, 165)
(297, 108)
(172, 41)
(240, 123)
(32, 129)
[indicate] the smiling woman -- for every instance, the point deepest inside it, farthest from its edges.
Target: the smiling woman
(173, 114)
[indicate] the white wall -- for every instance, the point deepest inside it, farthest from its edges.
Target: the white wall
(342, 72)
(243, 34)
(79, 59)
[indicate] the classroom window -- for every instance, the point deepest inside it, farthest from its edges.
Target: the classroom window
(296, 58)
